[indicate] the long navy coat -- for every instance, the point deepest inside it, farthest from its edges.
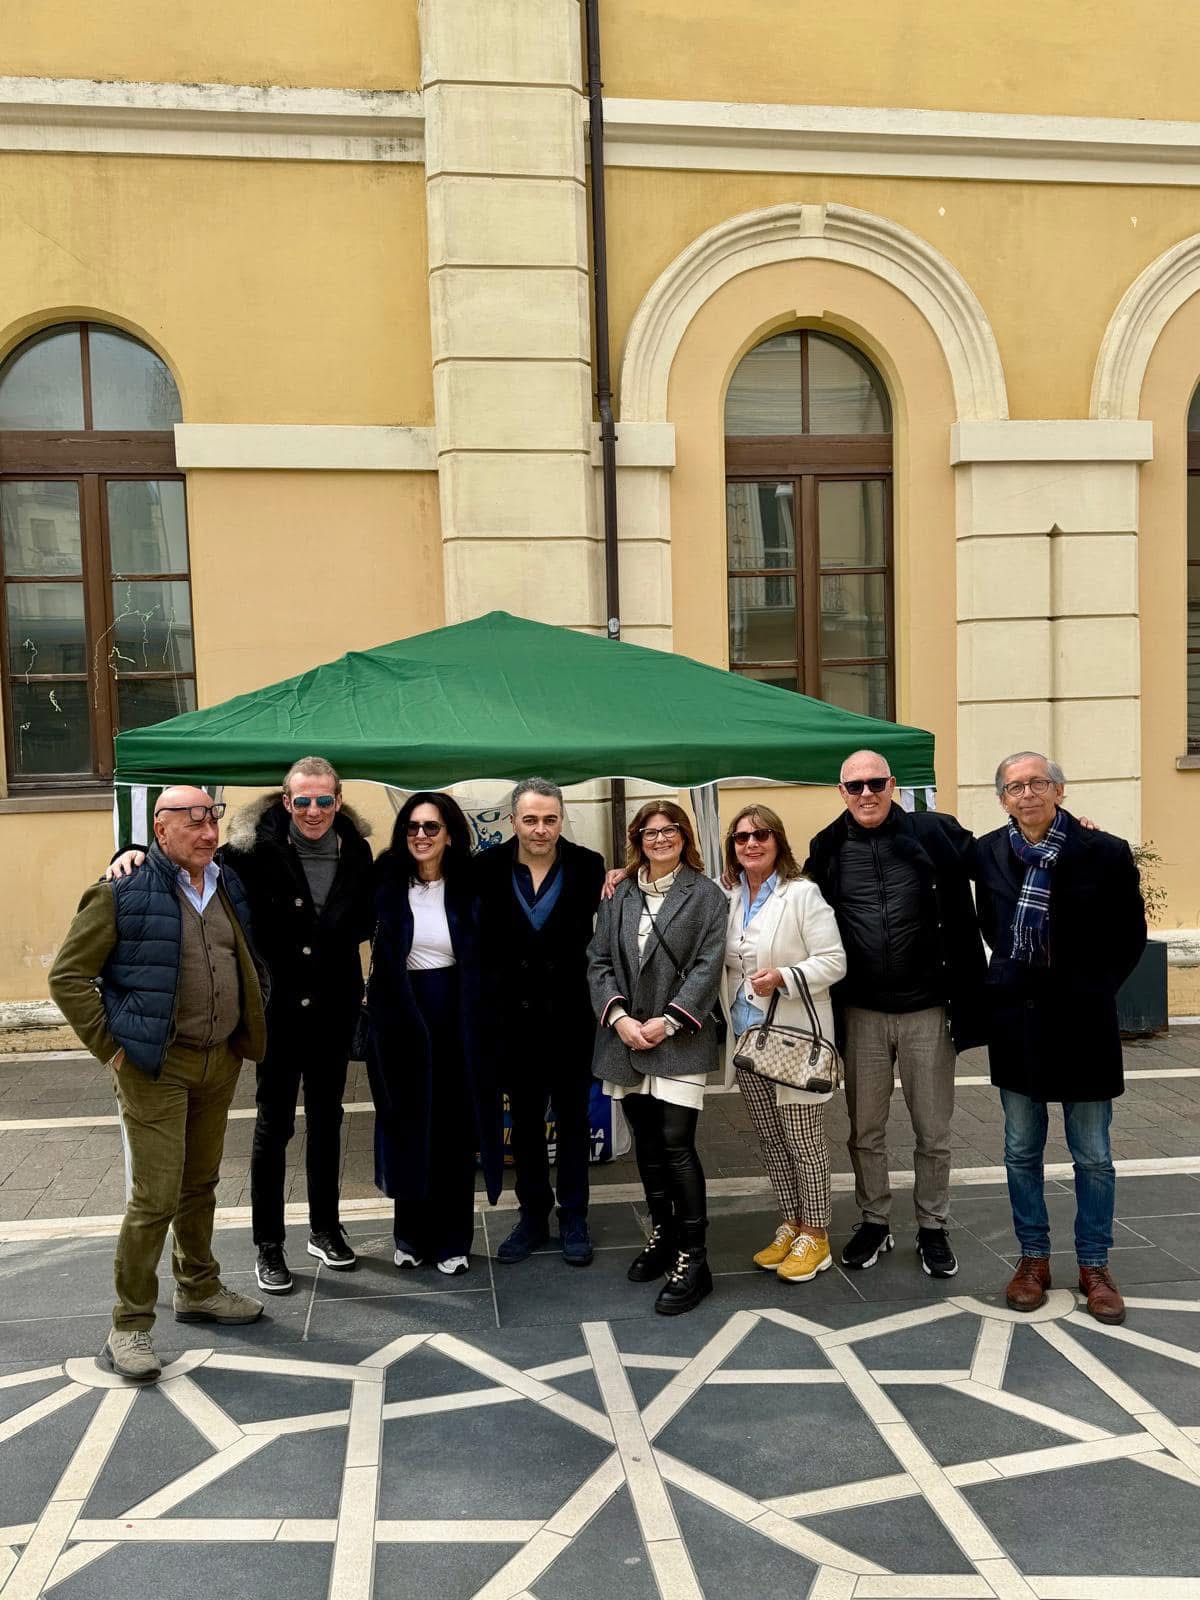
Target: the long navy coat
(399, 1061)
(1053, 1032)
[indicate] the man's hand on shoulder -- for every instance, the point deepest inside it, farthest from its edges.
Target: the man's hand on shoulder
(611, 880)
(125, 865)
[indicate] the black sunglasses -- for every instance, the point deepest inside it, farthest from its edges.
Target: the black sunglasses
(429, 829)
(301, 802)
(759, 835)
(857, 785)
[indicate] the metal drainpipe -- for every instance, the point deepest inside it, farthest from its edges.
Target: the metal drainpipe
(608, 431)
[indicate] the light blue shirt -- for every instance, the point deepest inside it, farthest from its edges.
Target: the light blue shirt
(744, 1013)
(212, 873)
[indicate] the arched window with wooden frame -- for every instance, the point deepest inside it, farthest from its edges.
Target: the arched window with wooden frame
(808, 462)
(96, 617)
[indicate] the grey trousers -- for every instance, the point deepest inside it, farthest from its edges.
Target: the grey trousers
(919, 1045)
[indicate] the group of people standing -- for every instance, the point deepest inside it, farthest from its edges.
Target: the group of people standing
(525, 970)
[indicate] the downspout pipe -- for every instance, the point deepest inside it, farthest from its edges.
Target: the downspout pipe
(603, 369)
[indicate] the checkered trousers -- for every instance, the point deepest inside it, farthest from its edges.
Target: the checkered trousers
(794, 1149)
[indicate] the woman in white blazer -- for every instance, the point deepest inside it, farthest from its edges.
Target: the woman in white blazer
(779, 921)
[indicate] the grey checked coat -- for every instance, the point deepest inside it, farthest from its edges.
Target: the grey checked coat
(692, 921)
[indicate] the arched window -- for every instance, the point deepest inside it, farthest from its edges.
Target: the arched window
(808, 459)
(1193, 577)
(96, 618)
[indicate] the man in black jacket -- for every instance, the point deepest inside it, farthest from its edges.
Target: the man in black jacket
(1061, 909)
(899, 885)
(306, 866)
(537, 901)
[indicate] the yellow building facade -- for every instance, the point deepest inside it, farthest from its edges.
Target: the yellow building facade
(357, 240)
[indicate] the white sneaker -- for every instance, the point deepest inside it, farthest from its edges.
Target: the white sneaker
(452, 1266)
(405, 1258)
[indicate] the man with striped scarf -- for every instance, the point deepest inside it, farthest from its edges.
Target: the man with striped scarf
(1061, 910)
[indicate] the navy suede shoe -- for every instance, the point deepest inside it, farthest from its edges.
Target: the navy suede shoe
(524, 1239)
(576, 1241)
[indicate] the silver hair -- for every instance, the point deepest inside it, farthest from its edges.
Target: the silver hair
(854, 756)
(1053, 770)
(542, 786)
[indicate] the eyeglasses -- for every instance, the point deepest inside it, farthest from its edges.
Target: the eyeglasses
(856, 786)
(1015, 790)
(668, 834)
(301, 802)
(197, 814)
(759, 835)
(429, 829)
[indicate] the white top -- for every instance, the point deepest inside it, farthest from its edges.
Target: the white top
(208, 886)
(431, 945)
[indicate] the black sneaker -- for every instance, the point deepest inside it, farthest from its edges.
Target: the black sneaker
(867, 1242)
(528, 1236)
(271, 1270)
(576, 1241)
(330, 1247)
(937, 1258)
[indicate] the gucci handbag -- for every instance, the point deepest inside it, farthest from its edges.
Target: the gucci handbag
(799, 1058)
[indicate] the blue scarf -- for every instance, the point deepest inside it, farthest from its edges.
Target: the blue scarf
(1031, 922)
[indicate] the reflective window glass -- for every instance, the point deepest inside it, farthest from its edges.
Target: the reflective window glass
(863, 689)
(40, 523)
(51, 728)
(152, 628)
(760, 525)
(141, 701)
(45, 628)
(853, 618)
(853, 526)
(41, 383)
(762, 619)
(764, 394)
(845, 393)
(131, 386)
(147, 526)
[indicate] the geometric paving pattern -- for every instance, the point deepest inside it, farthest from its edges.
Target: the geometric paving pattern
(755, 1463)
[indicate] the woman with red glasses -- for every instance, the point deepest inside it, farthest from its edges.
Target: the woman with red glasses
(780, 929)
(436, 1101)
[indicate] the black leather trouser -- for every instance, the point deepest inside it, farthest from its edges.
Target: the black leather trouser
(665, 1144)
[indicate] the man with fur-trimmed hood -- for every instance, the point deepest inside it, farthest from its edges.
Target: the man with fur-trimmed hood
(306, 865)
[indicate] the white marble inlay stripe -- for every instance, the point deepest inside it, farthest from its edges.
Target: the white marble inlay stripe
(845, 1496)
(462, 1400)
(283, 1368)
(789, 1319)
(1144, 1303)
(45, 1407)
(353, 1572)
(310, 1422)
(1024, 1463)
(393, 1351)
(830, 1584)
(583, 1416)
(992, 1347)
(465, 1530)
(200, 1476)
(524, 1568)
(956, 1514)
(591, 1496)
(364, 1437)
(799, 1375)
(489, 1366)
(675, 1395)
(654, 1363)
(14, 1380)
(1005, 1581)
(37, 1560)
(8, 1560)
(17, 1533)
(1169, 1467)
(924, 1586)
(1143, 1341)
(307, 1530)
(1106, 1586)
(896, 1323)
(863, 1386)
(1032, 1410)
(209, 1419)
(170, 1530)
(559, 1369)
(1117, 1390)
(919, 1375)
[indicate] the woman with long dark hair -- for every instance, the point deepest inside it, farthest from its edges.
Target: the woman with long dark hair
(655, 966)
(436, 1102)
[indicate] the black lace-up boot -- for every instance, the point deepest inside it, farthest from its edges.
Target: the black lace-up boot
(690, 1278)
(661, 1246)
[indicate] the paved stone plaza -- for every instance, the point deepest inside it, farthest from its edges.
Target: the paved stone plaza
(537, 1431)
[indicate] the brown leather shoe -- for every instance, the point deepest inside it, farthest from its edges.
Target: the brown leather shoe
(1103, 1297)
(1027, 1288)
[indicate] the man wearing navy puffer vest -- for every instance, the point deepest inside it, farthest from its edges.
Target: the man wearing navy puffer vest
(158, 977)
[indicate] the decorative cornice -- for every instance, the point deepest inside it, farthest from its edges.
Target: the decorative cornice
(820, 232)
(249, 446)
(247, 121)
(899, 142)
(1146, 307)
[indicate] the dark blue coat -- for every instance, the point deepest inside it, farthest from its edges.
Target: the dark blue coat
(400, 1064)
(1053, 1032)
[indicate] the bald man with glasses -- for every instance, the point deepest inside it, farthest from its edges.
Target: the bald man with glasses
(158, 977)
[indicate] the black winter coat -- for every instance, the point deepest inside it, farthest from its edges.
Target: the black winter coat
(1053, 1032)
(400, 1062)
(942, 851)
(314, 961)
(536, 979)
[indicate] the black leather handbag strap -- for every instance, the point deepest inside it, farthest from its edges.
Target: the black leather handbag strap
(805, 995)
(658, 934)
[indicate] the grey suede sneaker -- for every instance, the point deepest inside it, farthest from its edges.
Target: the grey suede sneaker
(222, 1305)
(130, 1355)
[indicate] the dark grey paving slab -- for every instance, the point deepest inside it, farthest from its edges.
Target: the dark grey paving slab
(38, 1341)
(1114, 1517)
(262, 1396)
(377, 1274)
(1036, 1371)
(298, 1475)
(1152, 1196)
(533, 1347)
(772, 1441)
(899, 1276)
(607, 1558)
(955, 1427)
(902, 1535)
(733, 1561)
(990, 1221)
(545, 1290)
(155, 1446)
(424, 1372)
(582, 1386)
(1178, 1237)
(23, 1395)
(751, 1289)
(1167, 1384)
(769, 1345)
(948, 1343)
(515, 1460)
(181, 1571)
(1177, 1327)
(32, 1462)
(373, 1322)
(436, 1571)
(47, 1279)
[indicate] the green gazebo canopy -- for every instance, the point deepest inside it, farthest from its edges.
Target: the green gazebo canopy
(500, 697)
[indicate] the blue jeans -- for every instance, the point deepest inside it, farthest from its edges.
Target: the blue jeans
(1087, 1123)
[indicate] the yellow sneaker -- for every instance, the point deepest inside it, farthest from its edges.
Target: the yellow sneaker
(805, 1259)
(785, 1237)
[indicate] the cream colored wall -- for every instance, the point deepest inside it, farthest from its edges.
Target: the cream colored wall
(1169, 797)
(882, 321)
(1049, 262)
(46, 861)
(1101, 58)
(367, 44)
(277, 291)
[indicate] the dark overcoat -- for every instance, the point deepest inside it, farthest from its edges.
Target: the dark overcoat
(692, 922)
(1052, 1031)
(400, 1064)
(313, 958)
(536, 979)
(943, 852)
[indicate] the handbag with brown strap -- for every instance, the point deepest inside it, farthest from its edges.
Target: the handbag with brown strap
(799, 1058)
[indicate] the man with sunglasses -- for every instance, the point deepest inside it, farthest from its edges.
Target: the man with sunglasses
(306, 864)
(899, 884)
(158, 977)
